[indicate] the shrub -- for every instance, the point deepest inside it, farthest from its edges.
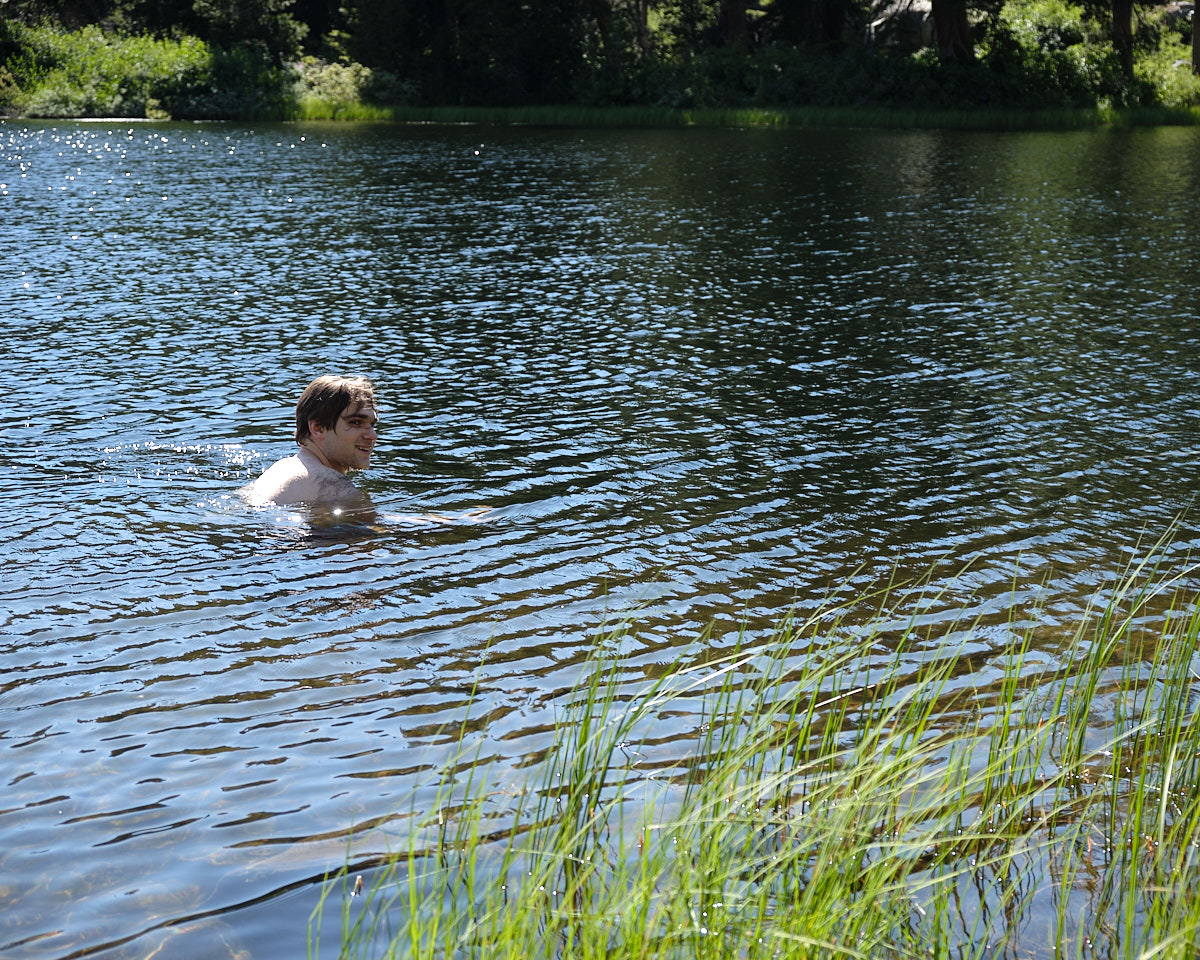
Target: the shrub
(90, 73)
(243, 82)
(1163, 57)
(10, 91)
(1049, 55)
(347, 84)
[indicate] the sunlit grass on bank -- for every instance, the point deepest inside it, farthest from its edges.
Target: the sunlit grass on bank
(848, 792)
(816, 117)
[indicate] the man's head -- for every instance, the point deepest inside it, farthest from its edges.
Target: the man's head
(327, 398)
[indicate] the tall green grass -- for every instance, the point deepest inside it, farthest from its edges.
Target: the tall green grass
(849, 791)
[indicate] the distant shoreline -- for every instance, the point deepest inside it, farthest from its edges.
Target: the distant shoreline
(670, 118)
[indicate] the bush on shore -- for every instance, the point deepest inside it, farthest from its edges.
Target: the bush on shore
(46, 72)
(51, 73)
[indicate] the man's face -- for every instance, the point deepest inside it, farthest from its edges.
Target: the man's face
(349, 444)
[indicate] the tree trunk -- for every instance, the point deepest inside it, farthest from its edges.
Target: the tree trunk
(1122, 35)
(1195, 41)
(733, 23)
(953, 32)
(641, 26)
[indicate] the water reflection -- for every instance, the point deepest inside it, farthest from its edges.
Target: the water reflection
(706, 376)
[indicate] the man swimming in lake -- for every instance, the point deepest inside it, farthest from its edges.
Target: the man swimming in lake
(335, 428)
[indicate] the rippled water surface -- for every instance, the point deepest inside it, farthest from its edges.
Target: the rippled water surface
(704, 376)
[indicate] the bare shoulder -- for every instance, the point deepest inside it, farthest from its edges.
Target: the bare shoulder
(326, 495)
(291, 480)
(284, 482)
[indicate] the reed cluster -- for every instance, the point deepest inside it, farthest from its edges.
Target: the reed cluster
(849, 791)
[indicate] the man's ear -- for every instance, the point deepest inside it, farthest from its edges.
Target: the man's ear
(316, 429)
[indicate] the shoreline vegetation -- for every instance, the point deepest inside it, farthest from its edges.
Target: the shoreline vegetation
(825, 117)
(848, 792)
(1018, 64)
(666, 118)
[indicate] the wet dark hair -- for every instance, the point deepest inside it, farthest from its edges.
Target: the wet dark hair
(325, 398)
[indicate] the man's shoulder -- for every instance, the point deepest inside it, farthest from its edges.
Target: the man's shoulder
(292, 480)
(272, 483)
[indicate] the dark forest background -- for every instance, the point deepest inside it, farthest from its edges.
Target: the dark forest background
(272, 57)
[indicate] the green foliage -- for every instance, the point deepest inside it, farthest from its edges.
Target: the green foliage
(339, 89)
(684, 27)
(1045, 24)
(89, 73)
(1049, 53)
(10, 91)
(244, 81)
(266, 23)
(65, 14)
(1163, 57)
(1058, 53)
(818, 76)
(52, 73)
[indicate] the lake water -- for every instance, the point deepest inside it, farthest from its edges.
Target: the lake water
(700, 377)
